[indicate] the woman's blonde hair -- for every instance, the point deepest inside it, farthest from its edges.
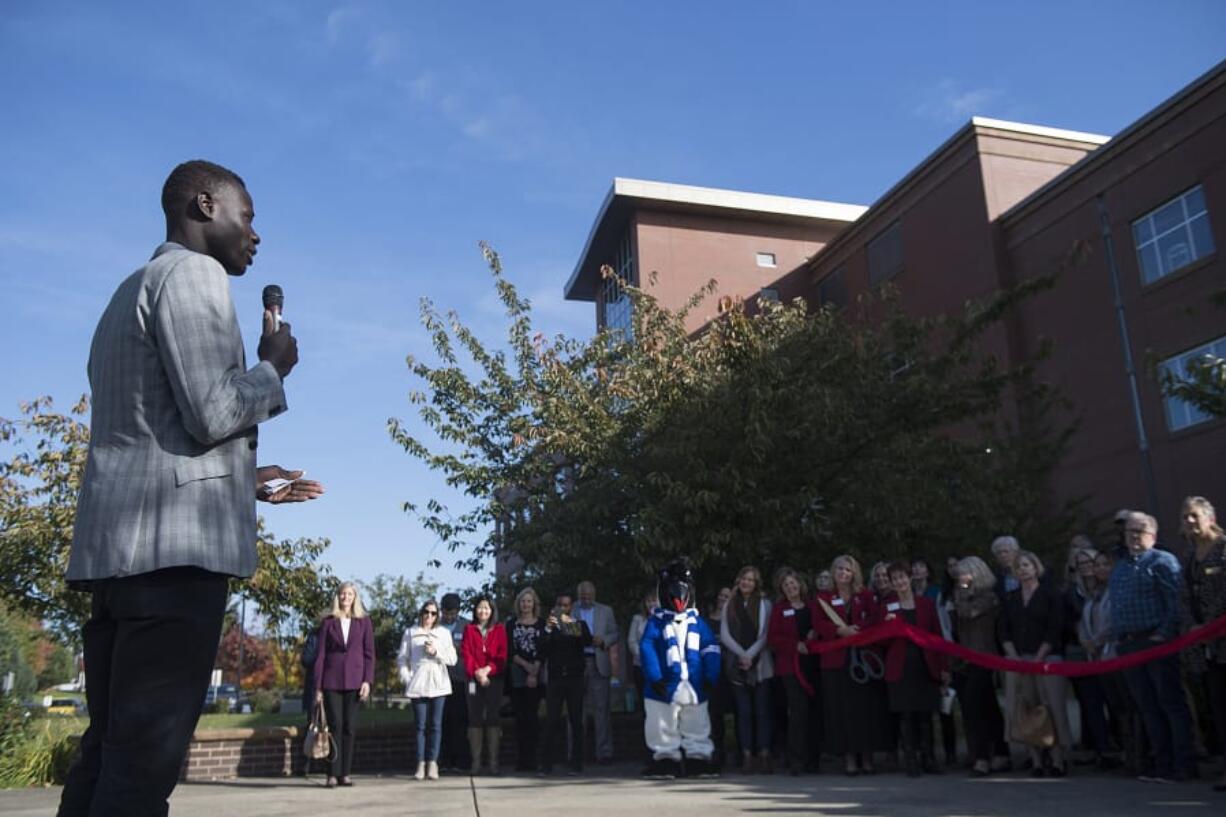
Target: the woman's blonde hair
(1034, 559)
(1200, 504)
(757, 579)
(356, 611)
(536, 601)
(857, 575)
(982, 577)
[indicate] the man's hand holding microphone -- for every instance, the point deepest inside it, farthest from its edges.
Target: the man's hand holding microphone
(280, 348)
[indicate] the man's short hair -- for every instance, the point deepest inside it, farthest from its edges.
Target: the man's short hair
(1150, 523)
(1002, 542)
(451, 601)
(1121, 516)
(585, 583)
(191, 178)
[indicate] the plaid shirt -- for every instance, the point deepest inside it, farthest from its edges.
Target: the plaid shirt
(1145, 595)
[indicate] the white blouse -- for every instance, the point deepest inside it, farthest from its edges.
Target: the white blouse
(424, 675)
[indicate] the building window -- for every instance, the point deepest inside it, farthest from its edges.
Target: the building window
(1173, 235)
(769, 295)
(885, 254)
(832, 290)
(613, 298)
(766, 259)
(1180, 413)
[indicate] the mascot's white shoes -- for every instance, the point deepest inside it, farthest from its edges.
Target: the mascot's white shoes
(432, 770)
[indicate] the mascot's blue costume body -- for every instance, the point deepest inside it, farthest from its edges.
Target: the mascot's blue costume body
(681, 662)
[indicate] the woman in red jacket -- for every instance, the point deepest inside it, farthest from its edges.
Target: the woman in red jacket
(855, 720)
(914, 677)
(484, 650)
(791, 625)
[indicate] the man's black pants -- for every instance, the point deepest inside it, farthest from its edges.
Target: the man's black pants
(150, 645)
(561, 692)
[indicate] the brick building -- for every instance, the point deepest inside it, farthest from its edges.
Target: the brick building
(1132, 224)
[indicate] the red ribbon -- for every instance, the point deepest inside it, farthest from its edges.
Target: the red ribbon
(897, 628)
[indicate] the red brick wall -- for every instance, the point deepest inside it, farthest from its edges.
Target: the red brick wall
(277, 751)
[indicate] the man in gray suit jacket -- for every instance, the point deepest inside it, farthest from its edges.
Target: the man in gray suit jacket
(603, 624)
(166, 513)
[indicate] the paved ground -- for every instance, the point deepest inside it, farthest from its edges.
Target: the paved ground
(618, 793)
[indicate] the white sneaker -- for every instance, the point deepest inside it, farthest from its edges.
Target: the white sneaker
(432, 770)
(420, 774)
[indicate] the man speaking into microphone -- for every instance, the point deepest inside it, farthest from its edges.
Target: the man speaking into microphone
(166, 513)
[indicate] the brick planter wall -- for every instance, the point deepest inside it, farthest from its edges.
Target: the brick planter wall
(277, 751)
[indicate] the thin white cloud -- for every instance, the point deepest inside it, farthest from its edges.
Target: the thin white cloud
(338, 19)
(953, 101)
(384, 48)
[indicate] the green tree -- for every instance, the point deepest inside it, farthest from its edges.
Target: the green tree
(38, 499)
(1202, 381)
(778, 435)
(39, 484)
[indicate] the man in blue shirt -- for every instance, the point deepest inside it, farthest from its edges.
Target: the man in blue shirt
(1144, 592)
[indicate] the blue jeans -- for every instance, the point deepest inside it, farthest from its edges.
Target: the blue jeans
(428, 712)
(1158, 693)
(753, 716)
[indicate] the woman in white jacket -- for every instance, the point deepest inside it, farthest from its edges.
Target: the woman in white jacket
(425, 653)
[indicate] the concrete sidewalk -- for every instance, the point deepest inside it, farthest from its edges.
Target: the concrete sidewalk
(619, 793)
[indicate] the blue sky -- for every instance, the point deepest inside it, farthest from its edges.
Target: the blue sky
(382, 140)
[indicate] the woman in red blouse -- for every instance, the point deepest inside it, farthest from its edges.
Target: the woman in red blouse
(484, 651)
(790, 628)
(855, 720)
(914, 677)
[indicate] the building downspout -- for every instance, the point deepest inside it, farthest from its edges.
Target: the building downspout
(1130, 369)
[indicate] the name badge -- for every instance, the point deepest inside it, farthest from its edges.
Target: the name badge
(837, 602)
(789, 613)
(893, 607)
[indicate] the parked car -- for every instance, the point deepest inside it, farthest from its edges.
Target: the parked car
(65, 706)
(227, 693)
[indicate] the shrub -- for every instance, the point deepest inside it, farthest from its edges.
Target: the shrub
(265, 701)
(33, 752)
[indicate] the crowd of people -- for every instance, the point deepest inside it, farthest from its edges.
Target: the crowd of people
(794, 701)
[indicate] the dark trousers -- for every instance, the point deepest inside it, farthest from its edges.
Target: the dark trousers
(525, 702)
(754, 717)
(454, 753)
(1158, 693)
(717, 710)
(559, 692)
(985, 727)
(341, 708)
(150, 644)
(1214, 682)
(799, 707)
(1093, 701)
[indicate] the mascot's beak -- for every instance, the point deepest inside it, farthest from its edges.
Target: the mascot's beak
(679, 604)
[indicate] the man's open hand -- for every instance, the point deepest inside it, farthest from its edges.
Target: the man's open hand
(298, 490)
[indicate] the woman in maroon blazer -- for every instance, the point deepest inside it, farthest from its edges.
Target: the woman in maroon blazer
(344, 671)
(914, 677)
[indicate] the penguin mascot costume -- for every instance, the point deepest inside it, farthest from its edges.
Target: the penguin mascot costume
(681, 664)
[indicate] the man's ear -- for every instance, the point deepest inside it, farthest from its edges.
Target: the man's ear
(205, 205)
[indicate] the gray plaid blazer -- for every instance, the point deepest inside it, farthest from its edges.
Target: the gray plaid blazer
(170, 475)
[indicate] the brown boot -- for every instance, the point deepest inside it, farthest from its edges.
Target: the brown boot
(475, 734)
(766, 765)
(493, 740)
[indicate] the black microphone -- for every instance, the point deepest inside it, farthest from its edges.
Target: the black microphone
(274, 300)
